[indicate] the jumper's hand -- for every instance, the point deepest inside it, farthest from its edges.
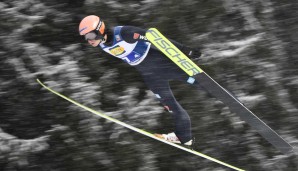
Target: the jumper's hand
(193, 53)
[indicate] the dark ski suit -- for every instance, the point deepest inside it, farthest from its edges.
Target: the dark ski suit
(130, 44)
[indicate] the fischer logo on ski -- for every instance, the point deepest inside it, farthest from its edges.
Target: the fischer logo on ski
(172, 52)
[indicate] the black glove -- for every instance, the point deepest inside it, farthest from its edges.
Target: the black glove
(192, 53)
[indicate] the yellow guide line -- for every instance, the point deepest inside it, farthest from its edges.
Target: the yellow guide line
(139, 130)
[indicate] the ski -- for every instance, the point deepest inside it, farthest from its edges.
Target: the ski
(137, 129)
(216, 90)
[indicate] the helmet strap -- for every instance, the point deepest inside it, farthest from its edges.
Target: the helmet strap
(98, 25)
(102, 39)
(100, 36)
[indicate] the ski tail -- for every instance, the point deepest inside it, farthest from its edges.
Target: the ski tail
(243, 112)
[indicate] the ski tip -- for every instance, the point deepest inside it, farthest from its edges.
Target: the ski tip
(38, 81)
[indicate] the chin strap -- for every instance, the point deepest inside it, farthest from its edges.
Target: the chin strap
(100, 37)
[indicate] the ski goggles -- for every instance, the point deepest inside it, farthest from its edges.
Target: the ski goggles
(92, 36)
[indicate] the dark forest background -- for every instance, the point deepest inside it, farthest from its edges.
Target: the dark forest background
(250, 47)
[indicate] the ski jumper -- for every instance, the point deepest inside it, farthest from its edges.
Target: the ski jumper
(130, 44)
